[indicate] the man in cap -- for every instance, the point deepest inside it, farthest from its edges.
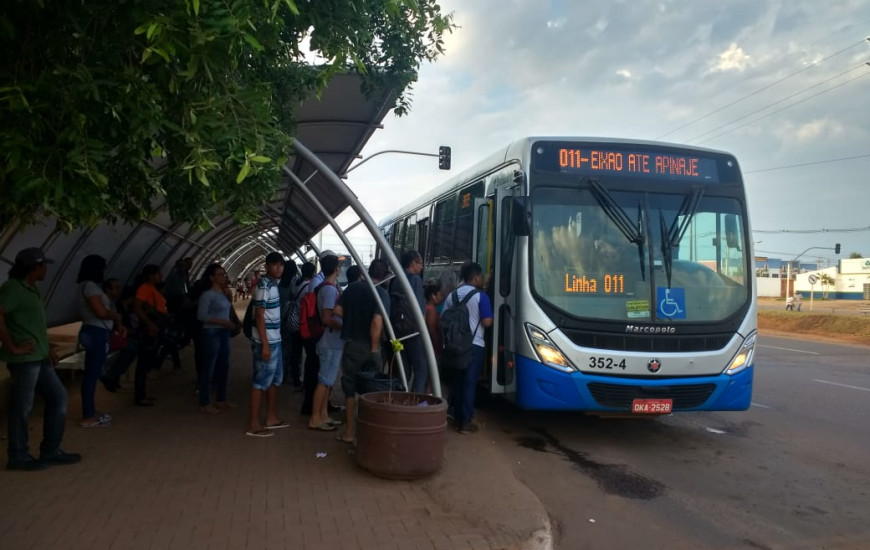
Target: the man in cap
(30, 361)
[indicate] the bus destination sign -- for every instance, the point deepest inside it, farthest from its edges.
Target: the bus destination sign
(591, 161)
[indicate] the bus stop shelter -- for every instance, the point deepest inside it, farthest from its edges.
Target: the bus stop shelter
(331, 133)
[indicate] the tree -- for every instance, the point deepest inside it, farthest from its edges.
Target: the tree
(111, 107)
(855, 255)
(827, 281)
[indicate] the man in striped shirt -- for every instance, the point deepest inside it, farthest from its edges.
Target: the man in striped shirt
(266, 349)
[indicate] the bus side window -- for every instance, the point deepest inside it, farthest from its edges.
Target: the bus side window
(464, 238)
(443, 223)
(409, 227)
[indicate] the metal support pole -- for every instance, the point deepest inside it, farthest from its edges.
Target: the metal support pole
(304, 190)
(354, 203)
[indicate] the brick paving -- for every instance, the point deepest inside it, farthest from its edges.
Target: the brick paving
(169, 477)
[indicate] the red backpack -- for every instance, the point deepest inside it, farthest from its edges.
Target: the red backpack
(310, 323)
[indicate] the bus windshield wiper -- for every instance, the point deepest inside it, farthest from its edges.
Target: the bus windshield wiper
(617, 215)
(672, 237)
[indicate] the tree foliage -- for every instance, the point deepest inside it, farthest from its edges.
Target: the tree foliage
(827, 282)
(111, 108)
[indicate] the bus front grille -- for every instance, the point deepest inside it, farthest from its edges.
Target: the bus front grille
(616, 395)
(658, 343)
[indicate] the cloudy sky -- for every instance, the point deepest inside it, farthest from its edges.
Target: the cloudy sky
(776, 83)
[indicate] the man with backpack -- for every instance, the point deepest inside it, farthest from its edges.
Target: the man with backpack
(299, 290)
(467, 312)
(329, 346)
(311, 335)
(401, 317)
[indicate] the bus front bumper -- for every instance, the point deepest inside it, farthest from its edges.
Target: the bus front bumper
(542, 387)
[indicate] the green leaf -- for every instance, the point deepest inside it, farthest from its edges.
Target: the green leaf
(141, 28)
(196, 7)
(291, 5)
(260, 158)
(253, 42)
(243, 173)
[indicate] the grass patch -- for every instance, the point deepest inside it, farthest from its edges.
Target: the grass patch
(841, 327)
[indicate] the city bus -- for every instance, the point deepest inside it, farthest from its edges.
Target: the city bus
(619, 272)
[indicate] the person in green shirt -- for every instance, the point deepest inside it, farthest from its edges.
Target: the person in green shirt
(30, 361)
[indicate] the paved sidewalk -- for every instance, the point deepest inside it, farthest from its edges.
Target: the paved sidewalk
(169, 477)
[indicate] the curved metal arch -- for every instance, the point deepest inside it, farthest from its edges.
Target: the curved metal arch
(230, 260)
(232, 234)
(351, 201)
(65, 263)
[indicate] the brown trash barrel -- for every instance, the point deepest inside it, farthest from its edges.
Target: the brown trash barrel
(397, 437)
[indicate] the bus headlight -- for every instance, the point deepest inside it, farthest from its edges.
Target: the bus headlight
(744, 356)
(547, 351)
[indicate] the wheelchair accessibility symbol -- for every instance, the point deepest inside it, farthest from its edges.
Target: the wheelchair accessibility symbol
(671, 302)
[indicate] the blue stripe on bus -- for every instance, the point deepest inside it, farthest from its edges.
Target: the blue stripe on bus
(544, 388)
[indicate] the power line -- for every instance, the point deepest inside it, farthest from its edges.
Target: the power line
(831, 89)
(806, 164)
(763, 88)
(777, 102)
(812, 231)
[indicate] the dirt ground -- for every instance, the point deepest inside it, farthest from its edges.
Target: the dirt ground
(841, 321)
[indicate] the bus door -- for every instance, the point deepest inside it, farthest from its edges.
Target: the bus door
(482, 254)
(503, 294)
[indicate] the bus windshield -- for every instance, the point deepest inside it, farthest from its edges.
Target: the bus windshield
(602, 253)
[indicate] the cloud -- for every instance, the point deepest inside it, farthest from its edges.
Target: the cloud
(648, 69)
(793, 134)
(732, 59)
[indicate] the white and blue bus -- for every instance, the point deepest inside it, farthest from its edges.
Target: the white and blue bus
(619, 272)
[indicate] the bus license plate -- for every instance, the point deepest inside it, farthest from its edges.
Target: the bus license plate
(652, 406)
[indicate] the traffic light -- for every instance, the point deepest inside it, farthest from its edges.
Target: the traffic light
(837, 248)
(444, 157)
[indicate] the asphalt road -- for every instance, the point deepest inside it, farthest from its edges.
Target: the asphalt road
(793, 472)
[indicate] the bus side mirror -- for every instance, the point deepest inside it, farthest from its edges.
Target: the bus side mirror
(731, 234)
(519, 217)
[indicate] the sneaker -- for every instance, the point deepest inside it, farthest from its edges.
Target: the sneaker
(469, 428)
(30, 464)
(61, 457)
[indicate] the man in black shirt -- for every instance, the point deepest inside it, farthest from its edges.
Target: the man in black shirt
(362, 332)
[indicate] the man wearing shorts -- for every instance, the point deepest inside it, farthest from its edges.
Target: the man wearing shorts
(361, 331)
(266, 349)
(329, 347)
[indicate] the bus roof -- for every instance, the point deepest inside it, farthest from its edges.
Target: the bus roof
(514, 152)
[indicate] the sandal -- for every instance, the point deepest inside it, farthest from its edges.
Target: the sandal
(325, 427)
(343, 440)
(278, 426)
(334, 422)
(209, 409)
(260, 433)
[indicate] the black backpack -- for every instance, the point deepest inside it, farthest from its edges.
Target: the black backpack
(456, 334)
(248, 321)
(400, 313)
